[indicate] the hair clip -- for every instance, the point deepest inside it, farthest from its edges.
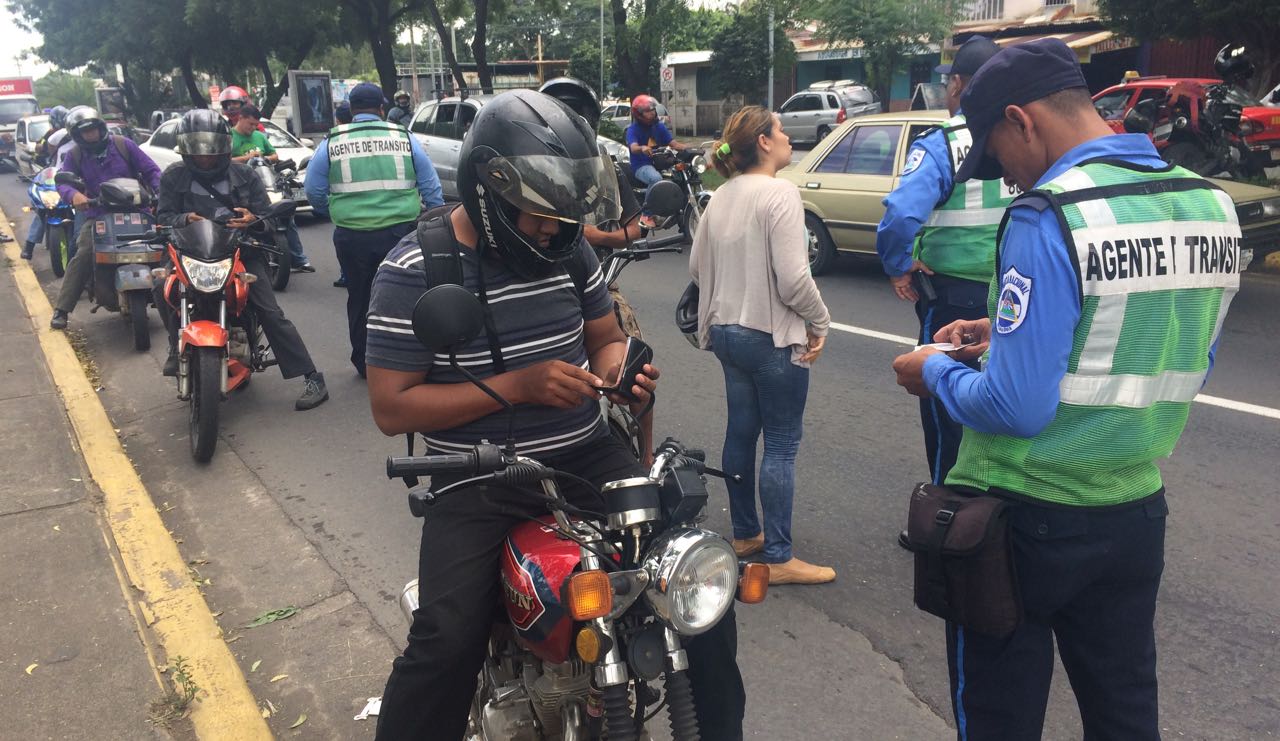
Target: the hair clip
(724, 149)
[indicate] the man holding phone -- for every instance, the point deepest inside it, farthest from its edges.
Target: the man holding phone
(938, 237)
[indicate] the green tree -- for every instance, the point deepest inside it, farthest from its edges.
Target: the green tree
(584, 64)
(740, 53)
(1253, 23)
(889, 31)
(65, 89)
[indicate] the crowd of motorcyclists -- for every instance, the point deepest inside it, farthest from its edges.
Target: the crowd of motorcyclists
(538, 194)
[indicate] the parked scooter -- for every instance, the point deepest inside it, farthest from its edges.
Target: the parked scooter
(616, 594)
(122, 277)
(220, 342)
(684, 167)
(57, 215)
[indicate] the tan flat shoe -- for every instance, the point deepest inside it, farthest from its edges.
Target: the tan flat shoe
(749, 547)
(796, 571)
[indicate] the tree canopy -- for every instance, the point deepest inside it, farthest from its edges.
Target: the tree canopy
(889, 31)
(740, 53)
(1253, 23)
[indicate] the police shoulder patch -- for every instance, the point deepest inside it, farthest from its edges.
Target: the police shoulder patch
(913, 161)
(1014, 302)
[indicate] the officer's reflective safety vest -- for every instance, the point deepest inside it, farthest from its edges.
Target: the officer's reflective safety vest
(372, 183)
(1158, 262)
(959, 239)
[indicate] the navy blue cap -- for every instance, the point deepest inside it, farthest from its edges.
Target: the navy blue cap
(971, 55)
(366, 96)
(1017, 75)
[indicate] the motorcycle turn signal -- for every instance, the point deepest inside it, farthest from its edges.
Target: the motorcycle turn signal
(753, 583)
(590, 595)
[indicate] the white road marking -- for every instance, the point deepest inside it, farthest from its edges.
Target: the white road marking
(1213, 401)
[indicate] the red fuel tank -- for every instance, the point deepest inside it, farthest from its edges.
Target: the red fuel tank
(535, 564)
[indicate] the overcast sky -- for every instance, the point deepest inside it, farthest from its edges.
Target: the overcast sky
(12, 41)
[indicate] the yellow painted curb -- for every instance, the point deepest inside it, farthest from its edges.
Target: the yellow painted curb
(175, 609)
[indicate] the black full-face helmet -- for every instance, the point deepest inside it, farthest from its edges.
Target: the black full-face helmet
(204, 132)
(528, 152)
(576, 94)
(1233, 64)
(80, 120)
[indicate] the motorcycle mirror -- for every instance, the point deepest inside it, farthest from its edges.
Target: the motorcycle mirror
(281, 210)
(447, 317)
(303, 164)
(69, 178)
(1136, 123)
(665, 198)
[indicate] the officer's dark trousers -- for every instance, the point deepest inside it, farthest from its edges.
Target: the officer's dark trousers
(359, 254)
(282, 335)
(1089, 578)
(431, 687)
(957, 299)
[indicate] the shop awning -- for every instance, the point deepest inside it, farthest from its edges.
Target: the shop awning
(1084, 43)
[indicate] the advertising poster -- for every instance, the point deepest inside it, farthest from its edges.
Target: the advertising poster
(311, 100)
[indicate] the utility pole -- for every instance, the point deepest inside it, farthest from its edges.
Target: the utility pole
(413, 63)
(602, 95)
(771, 57)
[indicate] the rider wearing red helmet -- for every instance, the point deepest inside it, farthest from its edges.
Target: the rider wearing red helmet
(232, 99)
(645, 134)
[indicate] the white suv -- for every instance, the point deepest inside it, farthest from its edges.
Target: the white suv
(809, 115)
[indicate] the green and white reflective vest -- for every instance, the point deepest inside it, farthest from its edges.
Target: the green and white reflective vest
(1157, 255)
(372, 183)
(959, 239)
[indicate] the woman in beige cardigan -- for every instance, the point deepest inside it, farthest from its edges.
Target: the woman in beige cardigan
(762, 315)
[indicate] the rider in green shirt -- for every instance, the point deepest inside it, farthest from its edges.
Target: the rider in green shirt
(248, 140)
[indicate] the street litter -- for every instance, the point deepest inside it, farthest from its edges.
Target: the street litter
(372, 707)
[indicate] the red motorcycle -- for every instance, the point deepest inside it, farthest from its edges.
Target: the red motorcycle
(220, 342)
(596, 610)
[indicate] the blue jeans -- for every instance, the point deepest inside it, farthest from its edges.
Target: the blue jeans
(295, 245)
(35, 234)
(765, 391)
(649, 175)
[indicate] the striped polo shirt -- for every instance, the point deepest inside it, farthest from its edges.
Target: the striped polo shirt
(536, 320)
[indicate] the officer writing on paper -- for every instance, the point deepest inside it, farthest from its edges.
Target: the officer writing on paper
(1114, 274)
(941, 235)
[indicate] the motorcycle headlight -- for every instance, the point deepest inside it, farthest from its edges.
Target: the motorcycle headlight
(692, 578)
(208, 277)
(699, 164)
(50, 199)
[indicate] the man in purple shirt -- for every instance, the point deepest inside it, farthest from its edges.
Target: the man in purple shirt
(96, 158)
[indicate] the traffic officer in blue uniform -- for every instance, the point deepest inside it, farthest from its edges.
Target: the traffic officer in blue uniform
(1115, 273)
(940, 235)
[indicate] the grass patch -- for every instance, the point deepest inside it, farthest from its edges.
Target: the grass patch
(176, 703)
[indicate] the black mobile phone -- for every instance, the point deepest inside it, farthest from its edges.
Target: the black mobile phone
(637, 356)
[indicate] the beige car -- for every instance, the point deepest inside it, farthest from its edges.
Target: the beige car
(845, 179)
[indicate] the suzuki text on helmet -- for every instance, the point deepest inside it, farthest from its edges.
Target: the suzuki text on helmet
(204, 141)
(88, 130)
(527, 152)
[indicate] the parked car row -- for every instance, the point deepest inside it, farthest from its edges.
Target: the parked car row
(844, 180)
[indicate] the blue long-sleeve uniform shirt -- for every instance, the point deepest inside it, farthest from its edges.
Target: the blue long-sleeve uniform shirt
(1017, 393)
(925, 182)
(316, 183)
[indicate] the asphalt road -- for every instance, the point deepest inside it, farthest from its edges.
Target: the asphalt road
(1219, 609)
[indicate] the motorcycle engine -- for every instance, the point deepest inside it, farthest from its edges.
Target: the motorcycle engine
(549, 690)
(238, 345)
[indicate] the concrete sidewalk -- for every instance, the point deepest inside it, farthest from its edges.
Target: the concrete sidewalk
(101, 618)
(75, 662)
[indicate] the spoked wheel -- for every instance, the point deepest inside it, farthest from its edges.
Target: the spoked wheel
(138, 318)
(206, 397)
(58, 240)
(279, 266)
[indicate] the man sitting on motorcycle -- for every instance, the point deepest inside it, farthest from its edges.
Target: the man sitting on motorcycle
(231, 100)
(44, 154)
(96, 158)
(552, 343)
(645, 134)
(402, 111)
(249, 141)
(194, 189)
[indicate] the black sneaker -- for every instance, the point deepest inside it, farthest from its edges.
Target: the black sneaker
(171, 364)
(59, 320)
(314, 394)
(340, 283)
(28, 249)
(305, 267)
